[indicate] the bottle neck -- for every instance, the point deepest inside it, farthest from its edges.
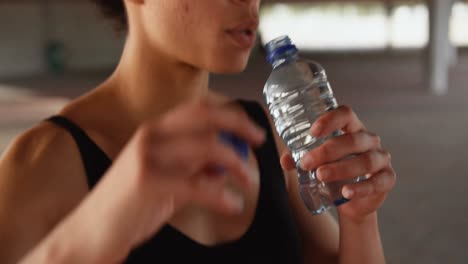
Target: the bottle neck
(284, 59)
(281, 51)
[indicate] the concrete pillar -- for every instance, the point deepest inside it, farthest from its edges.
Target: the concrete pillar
(389, 7)
(453, 54)
(453, 49)
(440, 51)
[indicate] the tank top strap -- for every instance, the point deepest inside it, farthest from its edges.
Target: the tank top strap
(95, 161)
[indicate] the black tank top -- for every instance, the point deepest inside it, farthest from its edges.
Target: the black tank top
(271, 238)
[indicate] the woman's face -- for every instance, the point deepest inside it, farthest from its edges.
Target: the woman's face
(215, 35)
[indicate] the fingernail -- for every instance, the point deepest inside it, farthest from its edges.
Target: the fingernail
(316, 130)
(348, 193)
(306, 161)
(323, 174)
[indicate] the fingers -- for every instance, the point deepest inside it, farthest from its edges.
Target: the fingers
(211, 192)
(381, 182)
(225, 156)
(287, 162)
(343, 118)
(237, 122)
(203, 117)
(363, 164)
(183, 152)
(339, 147)
(190, 169)
(188, 156)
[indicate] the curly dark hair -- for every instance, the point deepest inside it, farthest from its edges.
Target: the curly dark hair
(114, 9)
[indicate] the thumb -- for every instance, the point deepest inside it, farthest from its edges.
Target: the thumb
(287, 162)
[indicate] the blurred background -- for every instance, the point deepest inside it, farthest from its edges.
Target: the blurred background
(402, 65)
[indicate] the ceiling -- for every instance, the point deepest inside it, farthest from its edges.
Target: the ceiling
(264, 1)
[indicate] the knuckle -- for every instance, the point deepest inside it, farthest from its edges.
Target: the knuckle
(387, 155)
(322, 153)
(347, 110)
(331, 170)
(320, 123)
(380, 184)
(375, 139)
(369, 161)
(355, 140)
(330, 143)
(378, 140)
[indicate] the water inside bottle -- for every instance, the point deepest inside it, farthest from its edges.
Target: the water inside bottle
(294, 111)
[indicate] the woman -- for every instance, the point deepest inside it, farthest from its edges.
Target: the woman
(126, 172)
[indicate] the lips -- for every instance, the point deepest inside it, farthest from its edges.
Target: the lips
(244, 35)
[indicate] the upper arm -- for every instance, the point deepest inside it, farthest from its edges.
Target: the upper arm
(319, 233)
(41, 180)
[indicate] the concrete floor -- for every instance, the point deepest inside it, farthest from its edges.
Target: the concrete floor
(423, 221)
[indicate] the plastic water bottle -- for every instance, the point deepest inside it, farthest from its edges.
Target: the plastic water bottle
(297, 93)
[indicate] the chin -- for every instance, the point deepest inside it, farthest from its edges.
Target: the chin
(233, 66)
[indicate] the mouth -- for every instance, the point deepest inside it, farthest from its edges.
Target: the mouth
(249, 32)
(244, 35)
(245, 32)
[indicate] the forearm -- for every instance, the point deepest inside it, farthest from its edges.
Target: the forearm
(58, 248)
(360, 242)
(77, 240)
(97, 231)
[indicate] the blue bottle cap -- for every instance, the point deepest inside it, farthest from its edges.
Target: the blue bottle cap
(279, 47)
(239, 145)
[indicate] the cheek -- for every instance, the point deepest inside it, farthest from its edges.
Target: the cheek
(184, 23)
(193, 32)
(167, 24)
(185, 19)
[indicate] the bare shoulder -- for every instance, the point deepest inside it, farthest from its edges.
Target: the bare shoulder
(41, 180)
(44, 149)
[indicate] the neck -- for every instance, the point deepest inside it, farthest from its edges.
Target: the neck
(148, 84)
